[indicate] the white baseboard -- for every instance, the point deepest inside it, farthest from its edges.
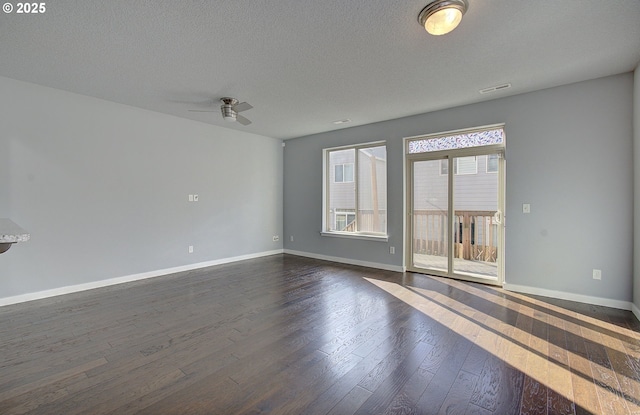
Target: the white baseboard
(128, 278)
(635, 310)
(607, 302)
(386, 267)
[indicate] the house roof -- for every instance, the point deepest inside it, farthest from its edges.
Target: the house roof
(304, 64)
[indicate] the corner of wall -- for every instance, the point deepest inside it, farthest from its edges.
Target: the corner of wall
(636, 192)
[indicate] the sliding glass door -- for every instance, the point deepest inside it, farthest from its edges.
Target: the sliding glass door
(430, 216)
(476, 216)
(455, 201)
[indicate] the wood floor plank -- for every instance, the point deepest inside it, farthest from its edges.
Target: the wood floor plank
(406, 400)
(607, 386)
(384, 393)
(457, 400)
(535, 391)
(336, 392)
(446, 375)
(560, 395)
(585, 394)
(350, 403)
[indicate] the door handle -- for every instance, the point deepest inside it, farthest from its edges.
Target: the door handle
(497, 217)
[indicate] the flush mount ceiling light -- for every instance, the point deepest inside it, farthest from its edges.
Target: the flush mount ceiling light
(442, 16)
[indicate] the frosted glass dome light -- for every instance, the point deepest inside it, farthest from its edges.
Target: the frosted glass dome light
(442, 16)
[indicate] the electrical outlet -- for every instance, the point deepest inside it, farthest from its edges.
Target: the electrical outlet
(392, 249)
(191, 249)
(276, 238)
(597, 274)
(526, 208)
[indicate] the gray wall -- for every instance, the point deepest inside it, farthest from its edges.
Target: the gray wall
(103, 189)
(569, 154)
(636, 190)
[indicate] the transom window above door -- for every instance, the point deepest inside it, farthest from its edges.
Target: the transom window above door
(456, 140)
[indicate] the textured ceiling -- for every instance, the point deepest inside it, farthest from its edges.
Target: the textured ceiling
(303, 64)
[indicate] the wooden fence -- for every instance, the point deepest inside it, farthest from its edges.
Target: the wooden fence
(368, 222)
(474, 234)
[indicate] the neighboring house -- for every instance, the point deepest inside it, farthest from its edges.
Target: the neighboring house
(475, 184)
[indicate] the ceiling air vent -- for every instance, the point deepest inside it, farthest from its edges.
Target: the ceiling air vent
(495, 88)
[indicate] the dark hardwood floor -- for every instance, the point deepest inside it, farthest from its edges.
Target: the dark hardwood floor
(292, 335)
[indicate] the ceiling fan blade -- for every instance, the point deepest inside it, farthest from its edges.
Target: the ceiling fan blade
(202, 110)
(242, 120)
(243, 106)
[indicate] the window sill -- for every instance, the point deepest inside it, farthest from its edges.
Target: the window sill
(353, 235)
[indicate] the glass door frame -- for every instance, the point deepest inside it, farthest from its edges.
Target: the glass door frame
(410, 160)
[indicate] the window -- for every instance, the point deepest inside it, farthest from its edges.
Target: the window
(344, 220)
(485, 136)
(355, 191)
(343, 173)
(461, 165)
(492, 163)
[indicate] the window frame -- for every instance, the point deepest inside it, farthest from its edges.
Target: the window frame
(327, 181)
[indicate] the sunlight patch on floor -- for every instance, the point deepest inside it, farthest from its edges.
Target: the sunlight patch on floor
(528, 353)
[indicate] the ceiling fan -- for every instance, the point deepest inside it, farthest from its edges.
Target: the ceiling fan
(230, 108)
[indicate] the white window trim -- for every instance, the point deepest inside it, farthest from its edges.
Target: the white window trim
(357, 235)
(383, 237)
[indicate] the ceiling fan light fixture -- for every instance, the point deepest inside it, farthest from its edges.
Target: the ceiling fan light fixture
(231, 107)
(227, 110)
(442, 16)
(228, 114)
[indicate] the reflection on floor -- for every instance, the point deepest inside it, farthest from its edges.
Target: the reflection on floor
(462, 266)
